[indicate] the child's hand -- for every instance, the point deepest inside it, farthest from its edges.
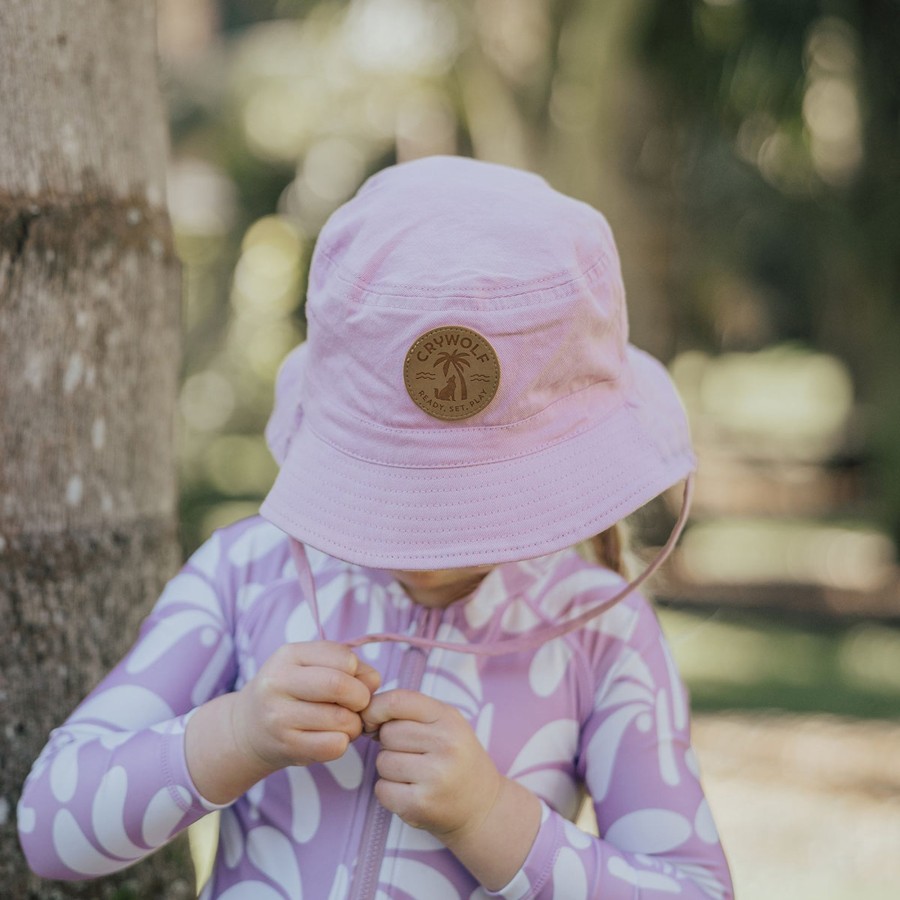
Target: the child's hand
(303, 705)
(434, 773)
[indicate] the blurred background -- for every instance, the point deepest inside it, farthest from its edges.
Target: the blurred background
(747, 155)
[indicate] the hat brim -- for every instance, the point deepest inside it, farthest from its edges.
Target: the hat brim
(394, 517)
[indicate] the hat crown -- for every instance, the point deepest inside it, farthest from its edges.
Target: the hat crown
(453, 242)
(448, 230)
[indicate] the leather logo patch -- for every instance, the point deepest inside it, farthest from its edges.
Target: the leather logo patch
(451, 372)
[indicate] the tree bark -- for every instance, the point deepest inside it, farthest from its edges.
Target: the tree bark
(89, 353)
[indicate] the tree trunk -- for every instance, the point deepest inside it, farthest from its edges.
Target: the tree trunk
(89, 340)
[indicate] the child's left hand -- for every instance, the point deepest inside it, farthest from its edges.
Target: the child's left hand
(434, 772)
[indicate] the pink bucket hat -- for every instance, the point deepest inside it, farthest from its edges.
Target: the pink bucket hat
(467, 394)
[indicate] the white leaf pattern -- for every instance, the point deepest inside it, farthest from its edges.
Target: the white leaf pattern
(490, 596)
(649, 831)
(208, 678)
(548, 667)
(112, 740)
(206, 558)
(452, 693)
(708, 883)
(108, 815)
(653, 881)
(253, 890)
(559, 597)
(404, 838)
(419, 880)
(248, 594)
(376, 625)
(255, 796)
(665, 750)
(163, 814)
(26, 818)
(519, 618)
(679, 701)
(483, 725)
(76, 851)
(603, 750)
(341, 885)
(347, 770)
(569, 877)
(579, 839)
(690, 761)
(625, 692)
(704, 824)
(619, 622)
(127, 706)
(193, 591)
(552, 744)
(255, 543)
(301, 625)
(165, 635)
(64, 773)
(307, 809)
(271, 852)
(463, 667)
(231, 837)
(630, 666)
(556, 787)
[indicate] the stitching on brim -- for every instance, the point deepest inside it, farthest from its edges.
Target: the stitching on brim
(393, 490)
(505, 550)
(495, 460)
(575, 501)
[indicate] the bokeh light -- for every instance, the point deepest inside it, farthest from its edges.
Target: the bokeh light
(744, 154)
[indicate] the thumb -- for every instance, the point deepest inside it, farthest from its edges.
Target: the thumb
(369, 676)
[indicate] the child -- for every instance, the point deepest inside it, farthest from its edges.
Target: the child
(466, 409)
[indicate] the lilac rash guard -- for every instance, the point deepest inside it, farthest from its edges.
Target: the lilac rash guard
(602, 710)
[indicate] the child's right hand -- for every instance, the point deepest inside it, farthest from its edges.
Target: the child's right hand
(303, 705)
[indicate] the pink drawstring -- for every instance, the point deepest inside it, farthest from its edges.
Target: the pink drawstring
(307, 583)
(512, 645)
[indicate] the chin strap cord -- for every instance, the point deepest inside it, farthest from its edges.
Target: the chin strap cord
(531, 641)
(307, 583)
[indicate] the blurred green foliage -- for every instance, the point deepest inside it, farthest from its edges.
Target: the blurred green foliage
(745, 151)
(741, 659)
(784, 122)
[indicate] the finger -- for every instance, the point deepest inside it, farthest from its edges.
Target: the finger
(369, 676)
(319, 746)
(301, 715)
(406, 768)
(400, 704)
(407, 736)
(395, 796)
(322, 684)
(322, 653)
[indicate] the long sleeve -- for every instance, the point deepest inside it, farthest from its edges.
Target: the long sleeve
(112, 783)
(658, 839)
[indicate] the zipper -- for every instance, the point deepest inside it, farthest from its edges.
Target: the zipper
(377, 821)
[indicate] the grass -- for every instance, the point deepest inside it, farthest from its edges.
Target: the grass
(736, 659)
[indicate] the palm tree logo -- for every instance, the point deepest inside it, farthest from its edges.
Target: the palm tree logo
(462, 362)
(459, 361)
